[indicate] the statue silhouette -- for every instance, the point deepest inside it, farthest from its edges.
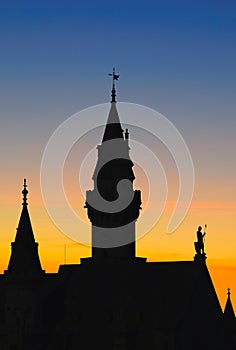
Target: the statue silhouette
(199, 245)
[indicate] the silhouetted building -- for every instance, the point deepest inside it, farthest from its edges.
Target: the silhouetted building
(112, 300)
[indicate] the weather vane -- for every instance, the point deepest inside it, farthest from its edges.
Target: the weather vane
(114, 75)
(114, 78)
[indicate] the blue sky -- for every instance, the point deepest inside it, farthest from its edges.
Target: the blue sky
(175, 56)
(58, 48)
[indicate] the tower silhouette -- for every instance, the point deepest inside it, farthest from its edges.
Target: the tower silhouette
(113, 228)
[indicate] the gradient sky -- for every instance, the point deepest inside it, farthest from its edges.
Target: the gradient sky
(177, 57)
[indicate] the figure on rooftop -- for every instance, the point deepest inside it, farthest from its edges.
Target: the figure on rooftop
(199, 245)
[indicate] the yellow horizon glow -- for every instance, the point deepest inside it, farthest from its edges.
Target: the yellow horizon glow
(155, 245)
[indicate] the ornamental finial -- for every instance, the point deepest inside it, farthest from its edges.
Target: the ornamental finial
(24, 192)
(113, 90)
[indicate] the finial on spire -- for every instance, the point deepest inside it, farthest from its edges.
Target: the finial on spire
(228, 292)
(24, 192)
(113, 91)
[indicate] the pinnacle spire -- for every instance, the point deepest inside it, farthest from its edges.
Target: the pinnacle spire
(113, 129)
(229, 311)
(24, 260)
(113, 90)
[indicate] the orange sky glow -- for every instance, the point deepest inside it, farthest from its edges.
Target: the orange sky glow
(55, 248)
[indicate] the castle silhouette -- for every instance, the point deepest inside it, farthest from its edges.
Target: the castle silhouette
(113, 299)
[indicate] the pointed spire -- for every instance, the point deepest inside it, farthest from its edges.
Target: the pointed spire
(113, 129)
(24, 260)
(229, 311)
